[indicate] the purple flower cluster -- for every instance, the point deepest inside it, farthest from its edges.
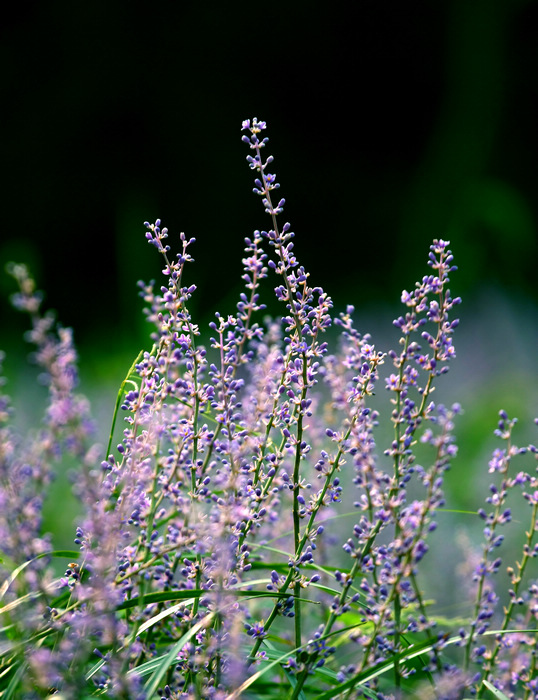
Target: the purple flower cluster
(209, 563)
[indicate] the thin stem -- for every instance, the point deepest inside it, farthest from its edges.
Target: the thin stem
(517, 579)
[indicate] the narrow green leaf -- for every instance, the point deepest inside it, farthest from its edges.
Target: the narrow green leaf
(162, 597)
(495, 691)
(169, 659)
(65, 553)
(93, 670)
(12, 691)
(256, 676)
(293, 682)
(160, 616)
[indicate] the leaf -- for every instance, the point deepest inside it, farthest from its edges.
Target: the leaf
(13, 687)
(65, 553)
(293, 682)
(498, 694)
(164, 596)
(93, 670)
(170, 658)
(160, 616)
(256, 676)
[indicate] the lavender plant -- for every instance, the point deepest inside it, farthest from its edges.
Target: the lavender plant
(206, 563)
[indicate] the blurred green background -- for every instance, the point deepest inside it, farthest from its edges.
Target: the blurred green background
(391, 124)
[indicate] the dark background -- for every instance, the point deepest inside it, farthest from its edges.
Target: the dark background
(391, 123)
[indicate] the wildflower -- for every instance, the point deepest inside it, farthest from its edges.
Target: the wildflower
(205, 555)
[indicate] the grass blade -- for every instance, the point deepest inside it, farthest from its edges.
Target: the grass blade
(168, 659)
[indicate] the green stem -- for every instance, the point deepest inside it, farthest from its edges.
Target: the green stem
(299, 548)
(516, 580)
